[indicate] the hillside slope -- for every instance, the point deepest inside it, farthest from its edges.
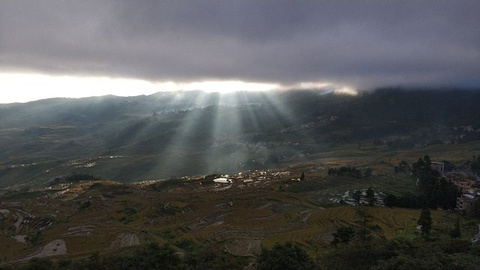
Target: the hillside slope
(186, 133)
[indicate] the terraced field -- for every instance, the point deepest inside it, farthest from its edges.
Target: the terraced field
(104, 216)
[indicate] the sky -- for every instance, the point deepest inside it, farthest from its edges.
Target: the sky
(61, 48)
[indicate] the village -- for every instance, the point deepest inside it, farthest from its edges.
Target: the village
(467, 182)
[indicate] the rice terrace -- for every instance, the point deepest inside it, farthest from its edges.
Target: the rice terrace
(257, 209)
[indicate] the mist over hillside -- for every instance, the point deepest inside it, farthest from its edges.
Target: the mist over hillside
(171, 134)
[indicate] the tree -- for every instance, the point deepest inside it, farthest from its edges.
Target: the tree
(418, 168)
(358, 255)
(343, 235)
(150, 257)
(476, 164)
(474, 210)
(390, 200)
(205, 258)
(34, 239)
(423, 167)
(284, 257)
(428, 161)
(448, 166)
(425, 221)
(428, 189)
(407, 200)
(368, 172)
(434, 191)
(39, 264)
(370, 197)
(441, 193)
(357, 196)
(402, 167)
(455, 233)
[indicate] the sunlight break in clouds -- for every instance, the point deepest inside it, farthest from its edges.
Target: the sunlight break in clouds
(346, 91)
(18, 87)
(228, 86)
(324, 86)
(28, 87)
(24, 87)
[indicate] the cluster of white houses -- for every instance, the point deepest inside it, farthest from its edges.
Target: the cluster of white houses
(252, 178)
(466, 181)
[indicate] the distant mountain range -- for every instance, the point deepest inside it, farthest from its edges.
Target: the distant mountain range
(172, 134)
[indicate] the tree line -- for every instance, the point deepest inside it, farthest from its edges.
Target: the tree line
(433, 190)
(77, 177)
(351, 172)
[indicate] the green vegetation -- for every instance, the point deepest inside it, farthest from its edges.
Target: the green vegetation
(425, 222)
(285, 257)
(433, 191)
(349, 171)
(84, 205)
(74, 178)
(476, 164)
(403, 167)
(376, 253)
(357, 195)
(343, 235)
(402, 253)
(456, 232)
(34, 239)
(370, 197)
(406, 200)
(149, 257)
(475, 209)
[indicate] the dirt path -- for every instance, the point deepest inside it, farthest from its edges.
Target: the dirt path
(18, 223)
(54, 248)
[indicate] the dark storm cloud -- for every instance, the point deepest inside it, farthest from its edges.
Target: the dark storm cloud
(363, 43)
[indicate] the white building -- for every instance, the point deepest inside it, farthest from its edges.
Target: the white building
(223, 180)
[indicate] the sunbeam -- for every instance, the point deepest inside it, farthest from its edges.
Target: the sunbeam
(217, 132)
(249, 121)
(192, 135)
(227, 151)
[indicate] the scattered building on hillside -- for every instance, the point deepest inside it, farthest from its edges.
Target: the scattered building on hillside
(466, 182)
(465, 201)
(465, 185)
(459, 176)
(439, 167)
(281, 174)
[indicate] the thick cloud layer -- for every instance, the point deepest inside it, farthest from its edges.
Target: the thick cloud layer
(358, 43)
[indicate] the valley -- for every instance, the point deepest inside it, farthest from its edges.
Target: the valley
(169, 135)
